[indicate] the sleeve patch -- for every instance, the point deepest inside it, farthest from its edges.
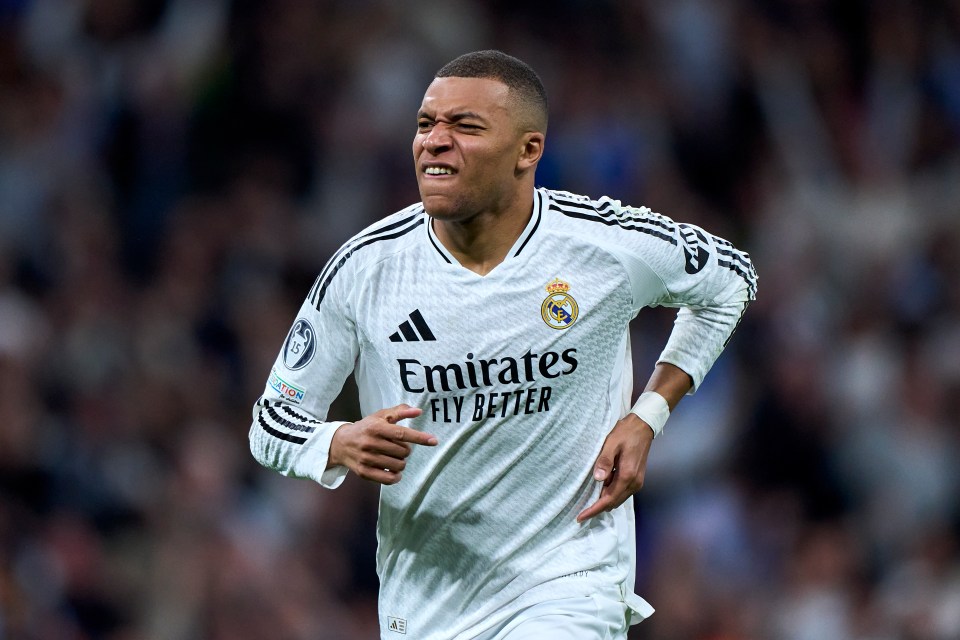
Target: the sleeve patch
(300, 345)
(287, 391)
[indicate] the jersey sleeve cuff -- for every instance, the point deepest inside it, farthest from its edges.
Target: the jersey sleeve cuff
(686, 364)
(333, 477)
(312, 462)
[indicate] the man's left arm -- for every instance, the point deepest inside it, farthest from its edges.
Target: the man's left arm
(622, 462)
(712, 282)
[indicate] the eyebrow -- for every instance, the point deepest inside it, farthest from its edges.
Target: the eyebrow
(463, 115)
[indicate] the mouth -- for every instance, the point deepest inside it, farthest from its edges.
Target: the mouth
(438, 170)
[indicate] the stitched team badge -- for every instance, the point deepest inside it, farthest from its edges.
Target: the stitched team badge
(559, 310)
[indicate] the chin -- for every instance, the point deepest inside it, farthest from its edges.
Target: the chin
(442, 214)
(441, 208)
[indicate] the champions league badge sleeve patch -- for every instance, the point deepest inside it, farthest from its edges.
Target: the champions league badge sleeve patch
(300, 345)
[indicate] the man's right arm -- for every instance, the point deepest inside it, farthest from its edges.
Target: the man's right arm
(290, 432)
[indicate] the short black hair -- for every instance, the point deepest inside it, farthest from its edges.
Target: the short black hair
(519, 77)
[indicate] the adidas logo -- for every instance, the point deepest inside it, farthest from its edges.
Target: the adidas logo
(413, 333)
(397, 625)
(695, 251)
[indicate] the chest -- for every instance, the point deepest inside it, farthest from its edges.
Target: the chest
(443, 328)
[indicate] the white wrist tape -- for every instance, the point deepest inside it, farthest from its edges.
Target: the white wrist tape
(652, 408)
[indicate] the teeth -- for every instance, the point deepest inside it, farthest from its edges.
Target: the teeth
(438, 171)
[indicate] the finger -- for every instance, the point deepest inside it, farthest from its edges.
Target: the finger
(603, 469)
(611, 497)
(405, 434)
(621, 484)
(382, 462)
(400, 412)
(389, 447)
(603, 503)
(381, 476)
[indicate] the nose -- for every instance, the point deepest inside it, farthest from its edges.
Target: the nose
(437, 140)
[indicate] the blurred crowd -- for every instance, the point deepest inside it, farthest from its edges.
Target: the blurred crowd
(174, 174)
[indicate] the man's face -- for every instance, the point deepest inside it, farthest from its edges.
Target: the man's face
(466, 148)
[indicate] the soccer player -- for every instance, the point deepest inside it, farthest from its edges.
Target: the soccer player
(488, 330)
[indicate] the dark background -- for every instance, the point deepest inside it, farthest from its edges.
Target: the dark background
(174, 174)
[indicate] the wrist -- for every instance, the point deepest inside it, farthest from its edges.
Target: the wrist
(652, 408)
(333, 453)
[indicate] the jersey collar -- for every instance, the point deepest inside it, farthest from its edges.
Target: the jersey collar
(528, 232)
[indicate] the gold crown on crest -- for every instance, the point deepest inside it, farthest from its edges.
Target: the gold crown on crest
(557, 286)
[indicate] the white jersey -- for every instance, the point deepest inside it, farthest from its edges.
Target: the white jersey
(520, 373)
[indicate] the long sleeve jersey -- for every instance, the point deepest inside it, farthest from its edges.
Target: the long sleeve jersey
(521, 374)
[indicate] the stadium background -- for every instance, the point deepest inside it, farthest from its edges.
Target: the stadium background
(174, 173)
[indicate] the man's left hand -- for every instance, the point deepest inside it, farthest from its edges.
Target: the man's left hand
(621, 464)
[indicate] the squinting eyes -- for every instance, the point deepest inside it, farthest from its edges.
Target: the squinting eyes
(426, 124)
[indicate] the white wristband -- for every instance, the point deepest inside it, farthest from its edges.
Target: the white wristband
(652, 408)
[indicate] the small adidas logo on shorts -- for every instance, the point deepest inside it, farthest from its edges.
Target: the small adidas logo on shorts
(397, 625)
(413, 332)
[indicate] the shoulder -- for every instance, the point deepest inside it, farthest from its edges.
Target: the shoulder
(390, 235)
(607, 216)
(390, 232)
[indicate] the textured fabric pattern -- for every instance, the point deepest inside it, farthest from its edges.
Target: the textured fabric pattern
(520, 374)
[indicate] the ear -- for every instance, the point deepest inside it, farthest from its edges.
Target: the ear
(531, 149)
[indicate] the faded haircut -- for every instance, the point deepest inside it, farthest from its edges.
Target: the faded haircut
(524, 83)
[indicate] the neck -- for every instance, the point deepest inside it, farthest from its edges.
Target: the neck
(481, 242)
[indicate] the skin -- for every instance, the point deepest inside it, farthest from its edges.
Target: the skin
(470, 126)
(475, 129)
(376, 448)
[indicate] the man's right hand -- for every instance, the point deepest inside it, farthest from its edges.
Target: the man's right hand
(376, 447)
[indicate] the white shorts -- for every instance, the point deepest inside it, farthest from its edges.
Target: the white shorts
(601, 616)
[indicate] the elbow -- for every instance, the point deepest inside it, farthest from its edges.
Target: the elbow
(256, 442)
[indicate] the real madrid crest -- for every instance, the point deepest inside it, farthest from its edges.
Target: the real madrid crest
(559, 309)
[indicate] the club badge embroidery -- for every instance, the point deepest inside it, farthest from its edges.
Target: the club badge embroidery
(559, 309)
